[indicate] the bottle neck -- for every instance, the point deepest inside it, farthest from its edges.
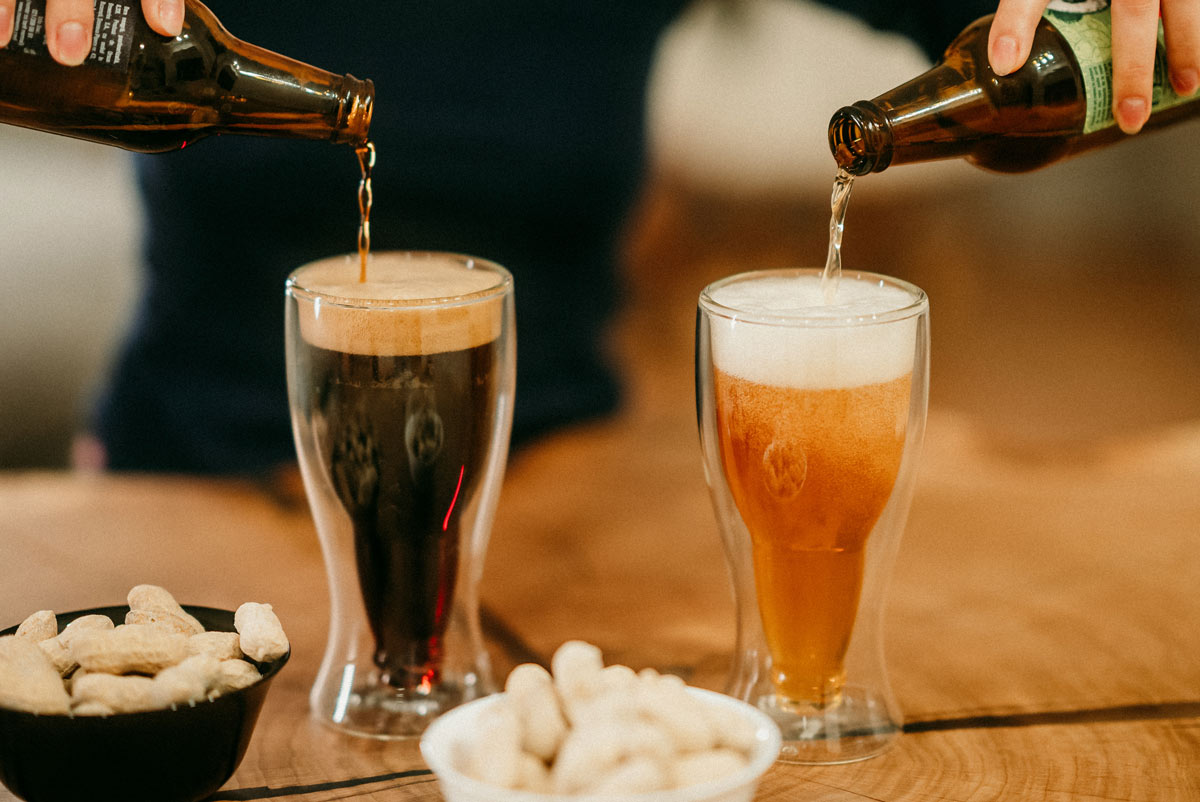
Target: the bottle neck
(274, 96)
(257, 91)
(917, 121)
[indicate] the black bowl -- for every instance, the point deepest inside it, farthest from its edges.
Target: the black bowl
(180, 755)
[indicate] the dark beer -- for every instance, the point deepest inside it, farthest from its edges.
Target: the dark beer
(1057, 105)
(405, 440)
(396, 420)
(146, 92)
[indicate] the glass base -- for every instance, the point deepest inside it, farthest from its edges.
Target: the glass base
(855, 727)
(371, 708)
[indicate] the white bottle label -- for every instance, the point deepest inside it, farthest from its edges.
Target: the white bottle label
(1086, 25)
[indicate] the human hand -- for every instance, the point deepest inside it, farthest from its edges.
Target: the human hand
(1134, 37)
(69, 25)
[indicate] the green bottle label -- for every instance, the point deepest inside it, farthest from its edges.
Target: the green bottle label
(1086, 25)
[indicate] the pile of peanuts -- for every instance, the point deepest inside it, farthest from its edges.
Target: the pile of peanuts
(591, 729)
(161, 657)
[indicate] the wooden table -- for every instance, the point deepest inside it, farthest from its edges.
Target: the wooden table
(1042, 631)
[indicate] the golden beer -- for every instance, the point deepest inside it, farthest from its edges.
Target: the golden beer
(810, 471)
(811, 393)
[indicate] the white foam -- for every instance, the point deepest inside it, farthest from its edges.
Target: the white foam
(847, 343)
(410, 304)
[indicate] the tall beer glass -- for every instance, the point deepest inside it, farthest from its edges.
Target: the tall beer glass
(811, 418)
(401, 392)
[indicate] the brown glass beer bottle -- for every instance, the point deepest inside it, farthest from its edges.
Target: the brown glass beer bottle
(146, 92)
(1058, 104)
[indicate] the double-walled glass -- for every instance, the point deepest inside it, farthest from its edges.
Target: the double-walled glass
(812, 412)
(401, 393)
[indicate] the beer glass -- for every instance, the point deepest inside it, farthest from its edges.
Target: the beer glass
(811, 413)
(401, 393)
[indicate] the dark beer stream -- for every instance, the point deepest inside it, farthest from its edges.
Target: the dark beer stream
(366, 162)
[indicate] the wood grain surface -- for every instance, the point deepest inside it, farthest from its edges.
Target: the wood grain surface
(1041, 632)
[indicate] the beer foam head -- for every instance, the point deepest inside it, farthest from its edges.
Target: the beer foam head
(411, 303)
(777, 329)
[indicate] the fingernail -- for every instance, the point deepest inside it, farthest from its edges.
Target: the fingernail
(1004, 55)
(1186, 81)
(73, 44)
(170, 13)
(5, 25)
(1132, 113)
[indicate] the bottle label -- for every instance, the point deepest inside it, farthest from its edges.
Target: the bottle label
(112, 34)
(1086, 25)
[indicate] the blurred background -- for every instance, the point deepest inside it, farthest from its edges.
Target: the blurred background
(1066, 303)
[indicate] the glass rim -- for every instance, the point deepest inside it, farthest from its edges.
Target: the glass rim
(293, 288)
(918, 305)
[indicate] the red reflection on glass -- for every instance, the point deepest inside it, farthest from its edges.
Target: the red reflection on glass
(446, 520)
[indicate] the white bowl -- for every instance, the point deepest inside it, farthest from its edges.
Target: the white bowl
(439, 745)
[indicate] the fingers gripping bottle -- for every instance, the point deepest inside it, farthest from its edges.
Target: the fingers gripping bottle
(1058, 104)
(146, 92)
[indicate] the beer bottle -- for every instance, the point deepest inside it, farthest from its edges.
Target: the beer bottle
(1058, 104)
(146, 92)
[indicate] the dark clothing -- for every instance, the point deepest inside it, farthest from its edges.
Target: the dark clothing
(508, 130)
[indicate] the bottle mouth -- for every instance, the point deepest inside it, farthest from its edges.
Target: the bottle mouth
(358, 106)
(859, 140)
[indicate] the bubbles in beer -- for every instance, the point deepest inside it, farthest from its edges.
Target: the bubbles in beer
(835, 350)
(409, 288)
